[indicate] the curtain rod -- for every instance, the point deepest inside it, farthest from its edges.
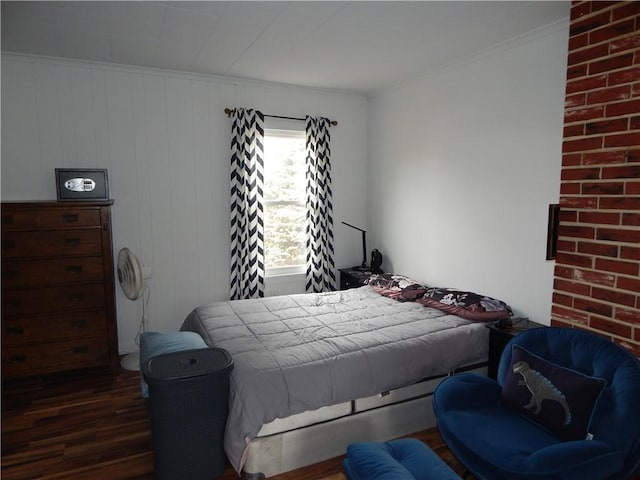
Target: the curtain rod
(229, 111)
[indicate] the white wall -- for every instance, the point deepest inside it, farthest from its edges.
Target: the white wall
(165, 139)
(462, 166)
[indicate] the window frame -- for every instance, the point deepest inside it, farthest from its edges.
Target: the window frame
(285, 133)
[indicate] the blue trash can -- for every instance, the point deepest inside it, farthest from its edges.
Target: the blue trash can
(189, 402)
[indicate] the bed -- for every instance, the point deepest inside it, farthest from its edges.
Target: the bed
(313, 372)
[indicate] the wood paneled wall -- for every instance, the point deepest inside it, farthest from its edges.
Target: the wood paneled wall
(165, 140)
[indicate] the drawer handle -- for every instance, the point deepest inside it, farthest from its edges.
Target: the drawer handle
(15, 331)
(17, 359)
(10, 273)
(71, 242)
(6, 244)
(70, 217)
(76, 297)
(74, 268)
(7, 219)
(78, 323)
(79, 350)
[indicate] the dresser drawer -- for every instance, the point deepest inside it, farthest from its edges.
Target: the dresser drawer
(24, 360)
(16, 219)
(44, 328)
(45, 243)
(52, 299)
(44, 272)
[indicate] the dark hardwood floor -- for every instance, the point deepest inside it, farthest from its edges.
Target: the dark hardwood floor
(92, 425)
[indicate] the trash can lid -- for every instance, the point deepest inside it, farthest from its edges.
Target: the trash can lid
(186, 364)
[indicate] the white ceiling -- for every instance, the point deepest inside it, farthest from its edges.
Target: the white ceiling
(362, 46)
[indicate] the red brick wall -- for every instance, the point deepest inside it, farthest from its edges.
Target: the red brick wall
(597, 271)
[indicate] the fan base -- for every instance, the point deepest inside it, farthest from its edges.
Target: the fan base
(131, 362)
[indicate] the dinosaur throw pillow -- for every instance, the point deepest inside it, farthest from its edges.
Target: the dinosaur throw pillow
(557, 398)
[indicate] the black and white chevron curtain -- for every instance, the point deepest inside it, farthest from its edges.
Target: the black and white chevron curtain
(247, 210)
(320, 275)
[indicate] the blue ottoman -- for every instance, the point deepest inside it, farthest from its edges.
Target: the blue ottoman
(404, 459)
(157, 343)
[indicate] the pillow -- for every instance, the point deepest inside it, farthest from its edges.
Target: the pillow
(469, 305)
(555, 397)
(398, 287)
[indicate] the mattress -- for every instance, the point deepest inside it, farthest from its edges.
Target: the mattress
(299, 353)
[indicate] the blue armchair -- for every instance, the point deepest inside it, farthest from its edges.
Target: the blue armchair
(505, 430)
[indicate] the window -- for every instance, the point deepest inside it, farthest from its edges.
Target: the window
(284, 201)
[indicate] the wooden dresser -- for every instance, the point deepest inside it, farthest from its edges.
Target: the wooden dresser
(58, 305)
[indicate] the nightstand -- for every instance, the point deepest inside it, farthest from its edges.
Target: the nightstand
(499, 336)
(350, 278)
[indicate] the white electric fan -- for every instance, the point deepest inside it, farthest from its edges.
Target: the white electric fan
(132, 281)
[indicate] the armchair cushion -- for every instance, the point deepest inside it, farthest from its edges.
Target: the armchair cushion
(559, 399)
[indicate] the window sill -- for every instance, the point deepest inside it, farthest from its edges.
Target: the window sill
(284, 272)
(284, 283)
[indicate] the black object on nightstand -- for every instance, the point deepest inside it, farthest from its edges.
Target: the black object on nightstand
(500, 333)
(351, 278)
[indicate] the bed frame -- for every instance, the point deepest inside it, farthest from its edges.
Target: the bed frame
(392, 346)
(311, 437)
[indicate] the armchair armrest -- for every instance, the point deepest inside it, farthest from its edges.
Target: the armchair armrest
(467, 391)
(580, 459)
